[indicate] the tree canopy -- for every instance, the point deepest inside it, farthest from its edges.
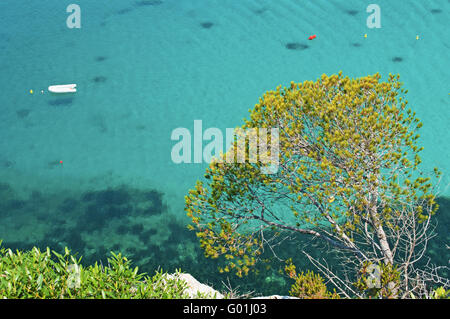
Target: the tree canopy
(348, 173)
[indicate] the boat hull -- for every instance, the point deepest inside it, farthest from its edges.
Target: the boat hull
(66, 88)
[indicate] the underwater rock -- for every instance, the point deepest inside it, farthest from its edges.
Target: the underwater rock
(356, 45)
(194, 287)
(435, 11)
(397, 59)
(296, 46)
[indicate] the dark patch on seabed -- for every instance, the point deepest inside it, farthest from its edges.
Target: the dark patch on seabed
(23, 113)
(144, 3)
(206, 25)
(260, 11)
(397, 59)
(5, 163)
(296, 46)
(99, 79)
(70, 219)
(99, 122)
(124, 11)
(436, 11)
(352, 12)
(61, 101)
(100, 58)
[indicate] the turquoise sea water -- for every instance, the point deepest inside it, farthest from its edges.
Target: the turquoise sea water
(144, 68)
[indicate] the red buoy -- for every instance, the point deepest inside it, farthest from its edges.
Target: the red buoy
(312, 37)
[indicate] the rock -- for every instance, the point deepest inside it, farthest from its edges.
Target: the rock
(195, 287)
(276, 297)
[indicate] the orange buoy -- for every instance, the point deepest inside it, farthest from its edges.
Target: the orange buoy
(312, 37)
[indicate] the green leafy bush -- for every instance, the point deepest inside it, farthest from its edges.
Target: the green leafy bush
(48, 274)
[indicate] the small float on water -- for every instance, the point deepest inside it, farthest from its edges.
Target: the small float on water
(64, 88)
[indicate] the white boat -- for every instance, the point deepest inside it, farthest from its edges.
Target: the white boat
(65, 88)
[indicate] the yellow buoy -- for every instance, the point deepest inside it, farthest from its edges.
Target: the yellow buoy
(417, 37)
(365, 35)
(31, 91)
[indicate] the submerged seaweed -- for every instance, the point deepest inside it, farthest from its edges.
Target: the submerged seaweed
(68, 205)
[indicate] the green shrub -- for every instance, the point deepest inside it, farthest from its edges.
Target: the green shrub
(309, 285)
(48, 274)
(441, 293)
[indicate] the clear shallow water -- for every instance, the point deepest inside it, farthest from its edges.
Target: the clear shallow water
(146, 68)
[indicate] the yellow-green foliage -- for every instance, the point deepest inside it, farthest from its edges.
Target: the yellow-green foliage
(441, 293)
(380, 284)
(309, 285)
(341, 140)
